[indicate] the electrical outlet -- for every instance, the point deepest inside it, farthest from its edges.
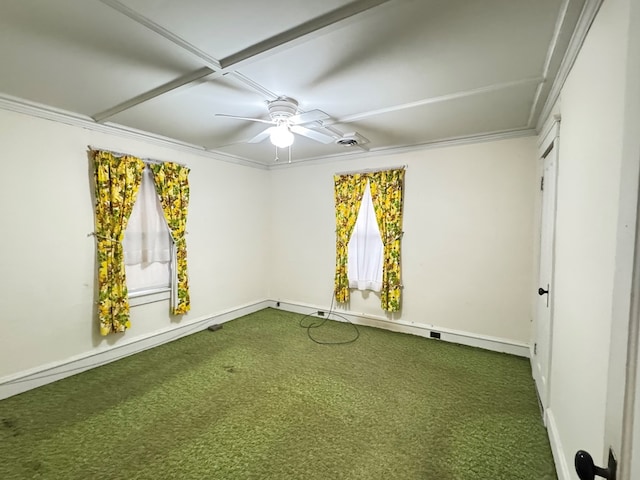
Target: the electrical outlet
(277, 304)
(434, 334)
(320, 313)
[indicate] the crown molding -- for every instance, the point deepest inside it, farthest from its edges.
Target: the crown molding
(587, 16)
(552, 123)
(19, 105)
(447, 142)
(551, 51)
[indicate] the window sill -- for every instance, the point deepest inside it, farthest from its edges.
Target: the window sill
(149, 296)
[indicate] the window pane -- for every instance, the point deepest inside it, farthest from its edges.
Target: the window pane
(365, 249)
(147, 241)
(151, 276)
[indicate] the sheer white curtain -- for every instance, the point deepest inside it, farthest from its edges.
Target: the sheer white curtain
(365, 249)
(147, 241)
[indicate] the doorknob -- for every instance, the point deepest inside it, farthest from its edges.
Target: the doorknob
(542, 291)
(587, 470)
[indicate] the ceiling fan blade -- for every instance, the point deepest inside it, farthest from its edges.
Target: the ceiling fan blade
(270, 122)
(312, 134)
(307, 117)
(262, 135)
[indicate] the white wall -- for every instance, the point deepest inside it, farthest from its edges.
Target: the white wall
(467, 248)
(592, 109)
(48, 262)
(621, 329)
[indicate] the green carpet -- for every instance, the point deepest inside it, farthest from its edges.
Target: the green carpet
(259, 400)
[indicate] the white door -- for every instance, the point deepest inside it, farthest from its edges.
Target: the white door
(542, 332)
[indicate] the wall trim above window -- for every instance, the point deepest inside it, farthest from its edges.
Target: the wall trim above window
(147, 161)
(372, 170)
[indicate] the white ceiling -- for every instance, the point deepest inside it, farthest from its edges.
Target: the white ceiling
(401, 73)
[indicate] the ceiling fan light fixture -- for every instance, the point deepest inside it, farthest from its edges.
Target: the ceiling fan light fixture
(281, 136)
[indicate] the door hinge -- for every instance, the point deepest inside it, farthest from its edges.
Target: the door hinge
(535, 348)
(541, 184)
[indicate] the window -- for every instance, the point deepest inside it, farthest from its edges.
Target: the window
(147, 245)
(149, 248)
(365, 249)
(384, 189)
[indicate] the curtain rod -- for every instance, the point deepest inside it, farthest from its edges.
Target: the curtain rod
(372, 170)
(120, 154)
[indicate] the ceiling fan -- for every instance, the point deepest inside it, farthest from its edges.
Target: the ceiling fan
(285, 121)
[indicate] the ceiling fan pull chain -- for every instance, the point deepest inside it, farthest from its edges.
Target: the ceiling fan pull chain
(276, 155)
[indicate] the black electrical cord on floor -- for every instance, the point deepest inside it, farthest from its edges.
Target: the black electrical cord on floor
(324, 320)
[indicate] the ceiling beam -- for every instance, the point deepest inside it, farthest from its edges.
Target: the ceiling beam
(299, 32)
(441, 98)
(156, 92)
(201, 55)
(224, 66)
(268, 94)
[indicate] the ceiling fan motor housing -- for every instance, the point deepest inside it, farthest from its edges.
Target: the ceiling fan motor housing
(282, 108)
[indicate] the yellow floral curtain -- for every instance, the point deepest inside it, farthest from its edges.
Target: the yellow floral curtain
(387, 196)
(172, 185)
(348, 193)
(117, 180)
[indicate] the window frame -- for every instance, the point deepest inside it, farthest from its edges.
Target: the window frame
(145, 296)
(367, 209)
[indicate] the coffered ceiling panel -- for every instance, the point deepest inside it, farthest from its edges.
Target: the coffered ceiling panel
(192, 109)
(455, 119)
(380, 74)
(224, 28)
(458, 118)
(81, 56)
(416, 50)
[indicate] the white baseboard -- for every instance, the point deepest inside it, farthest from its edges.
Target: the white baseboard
(42, 375)
(559, 457)
(486, 342)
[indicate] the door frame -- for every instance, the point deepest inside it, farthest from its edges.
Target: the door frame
(624, 367)
(629, 453)
(626, 320)
(549, 145)
(630, 449)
